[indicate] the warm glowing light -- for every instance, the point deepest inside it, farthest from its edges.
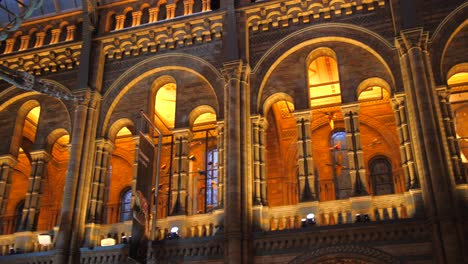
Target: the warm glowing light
(63, 140)
(33, 115)
(166, 104)
(124, 132)
(324, 84)
(459, 78)
(205, 118)
(373, 93)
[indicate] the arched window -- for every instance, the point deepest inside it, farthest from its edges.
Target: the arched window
(381, 176)
(126, 205)
(339, 164)
(19, 215)
(324, 83)
(212, 179)
(165, 105)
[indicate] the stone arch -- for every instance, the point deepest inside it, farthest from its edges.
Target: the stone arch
(360, 254)
(161, 65)
(459, 68)
(374, 81)
(54, 136)
(19, 124)
(118, 125)
(199, 110)
(443, 37)
(318, 52)
(374, 44)
(272, 99)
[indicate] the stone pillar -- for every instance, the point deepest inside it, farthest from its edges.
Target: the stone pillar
(70, 33)
(7, 163)
(153, 14)
(357, 171)
(432, 162)
(119, 22)
(136, 18)
(188, 7)
(305, 162)
(181, 168)
(221, 163)
(259, 170)
(40, 36)
(32, 202)
(406, 149)
(170, 11)
(206, 5)
(102, 159)
(238, 206)
(55, 38)
(451, 135)
(24, 42)
(10, 44)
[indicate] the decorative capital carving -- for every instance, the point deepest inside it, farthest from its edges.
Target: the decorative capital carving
(305, 115)
(41, 155)
(409, 39)
(351, 108)
(9, 160)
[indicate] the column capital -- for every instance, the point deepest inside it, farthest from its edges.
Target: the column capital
(105, 144)
(9, 160)
(397, 101)
(413, 38)
(40, 155)
(235, 70)
(354, 108)
(182, 133)
(303, 114)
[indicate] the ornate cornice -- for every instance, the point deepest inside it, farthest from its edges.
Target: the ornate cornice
(273, 15)
(163, 37)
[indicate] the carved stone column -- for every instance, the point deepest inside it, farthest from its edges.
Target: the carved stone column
(432, 161)
(188, 7)
(206, 5)
(7, 163)
(181, 167)
(136, 18)
(10, 44)
(24, 44)
(221, 163)
(32, 202)
(40, 36)
(451, 135)
(102, 159)
(71, 33)
(406, 148)
(153, 14)
(259, 171)
(170, 11)
(238, 206)
(357, 171)
(119, 22)
(55, 38)
(306, 177)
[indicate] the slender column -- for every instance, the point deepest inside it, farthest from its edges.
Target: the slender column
(39, 160)
(153, 14)
(206, 5)
(119, 22)
(24, 42)
(40, 36)
(259, 174)
(181, 166)
(70, 33)
(305, 162)
(221, 163)
(10, 44)
(406, 148)
(451, 135)
(432, 162)
(102, 159)
(136, 18)
(55, 38)
(357, 170)
(7, 163)
(188, 7)
(170, 11)
(238, 209)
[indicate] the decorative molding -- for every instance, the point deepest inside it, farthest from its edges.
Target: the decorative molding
(270, 16)
(168, 37)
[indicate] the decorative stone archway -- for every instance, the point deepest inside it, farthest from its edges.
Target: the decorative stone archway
(347, 254)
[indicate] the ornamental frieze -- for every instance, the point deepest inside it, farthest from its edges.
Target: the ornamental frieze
(163, 37)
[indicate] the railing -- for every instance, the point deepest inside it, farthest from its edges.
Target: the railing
(24, 242)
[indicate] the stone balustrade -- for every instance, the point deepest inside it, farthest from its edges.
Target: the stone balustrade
(25, 242)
